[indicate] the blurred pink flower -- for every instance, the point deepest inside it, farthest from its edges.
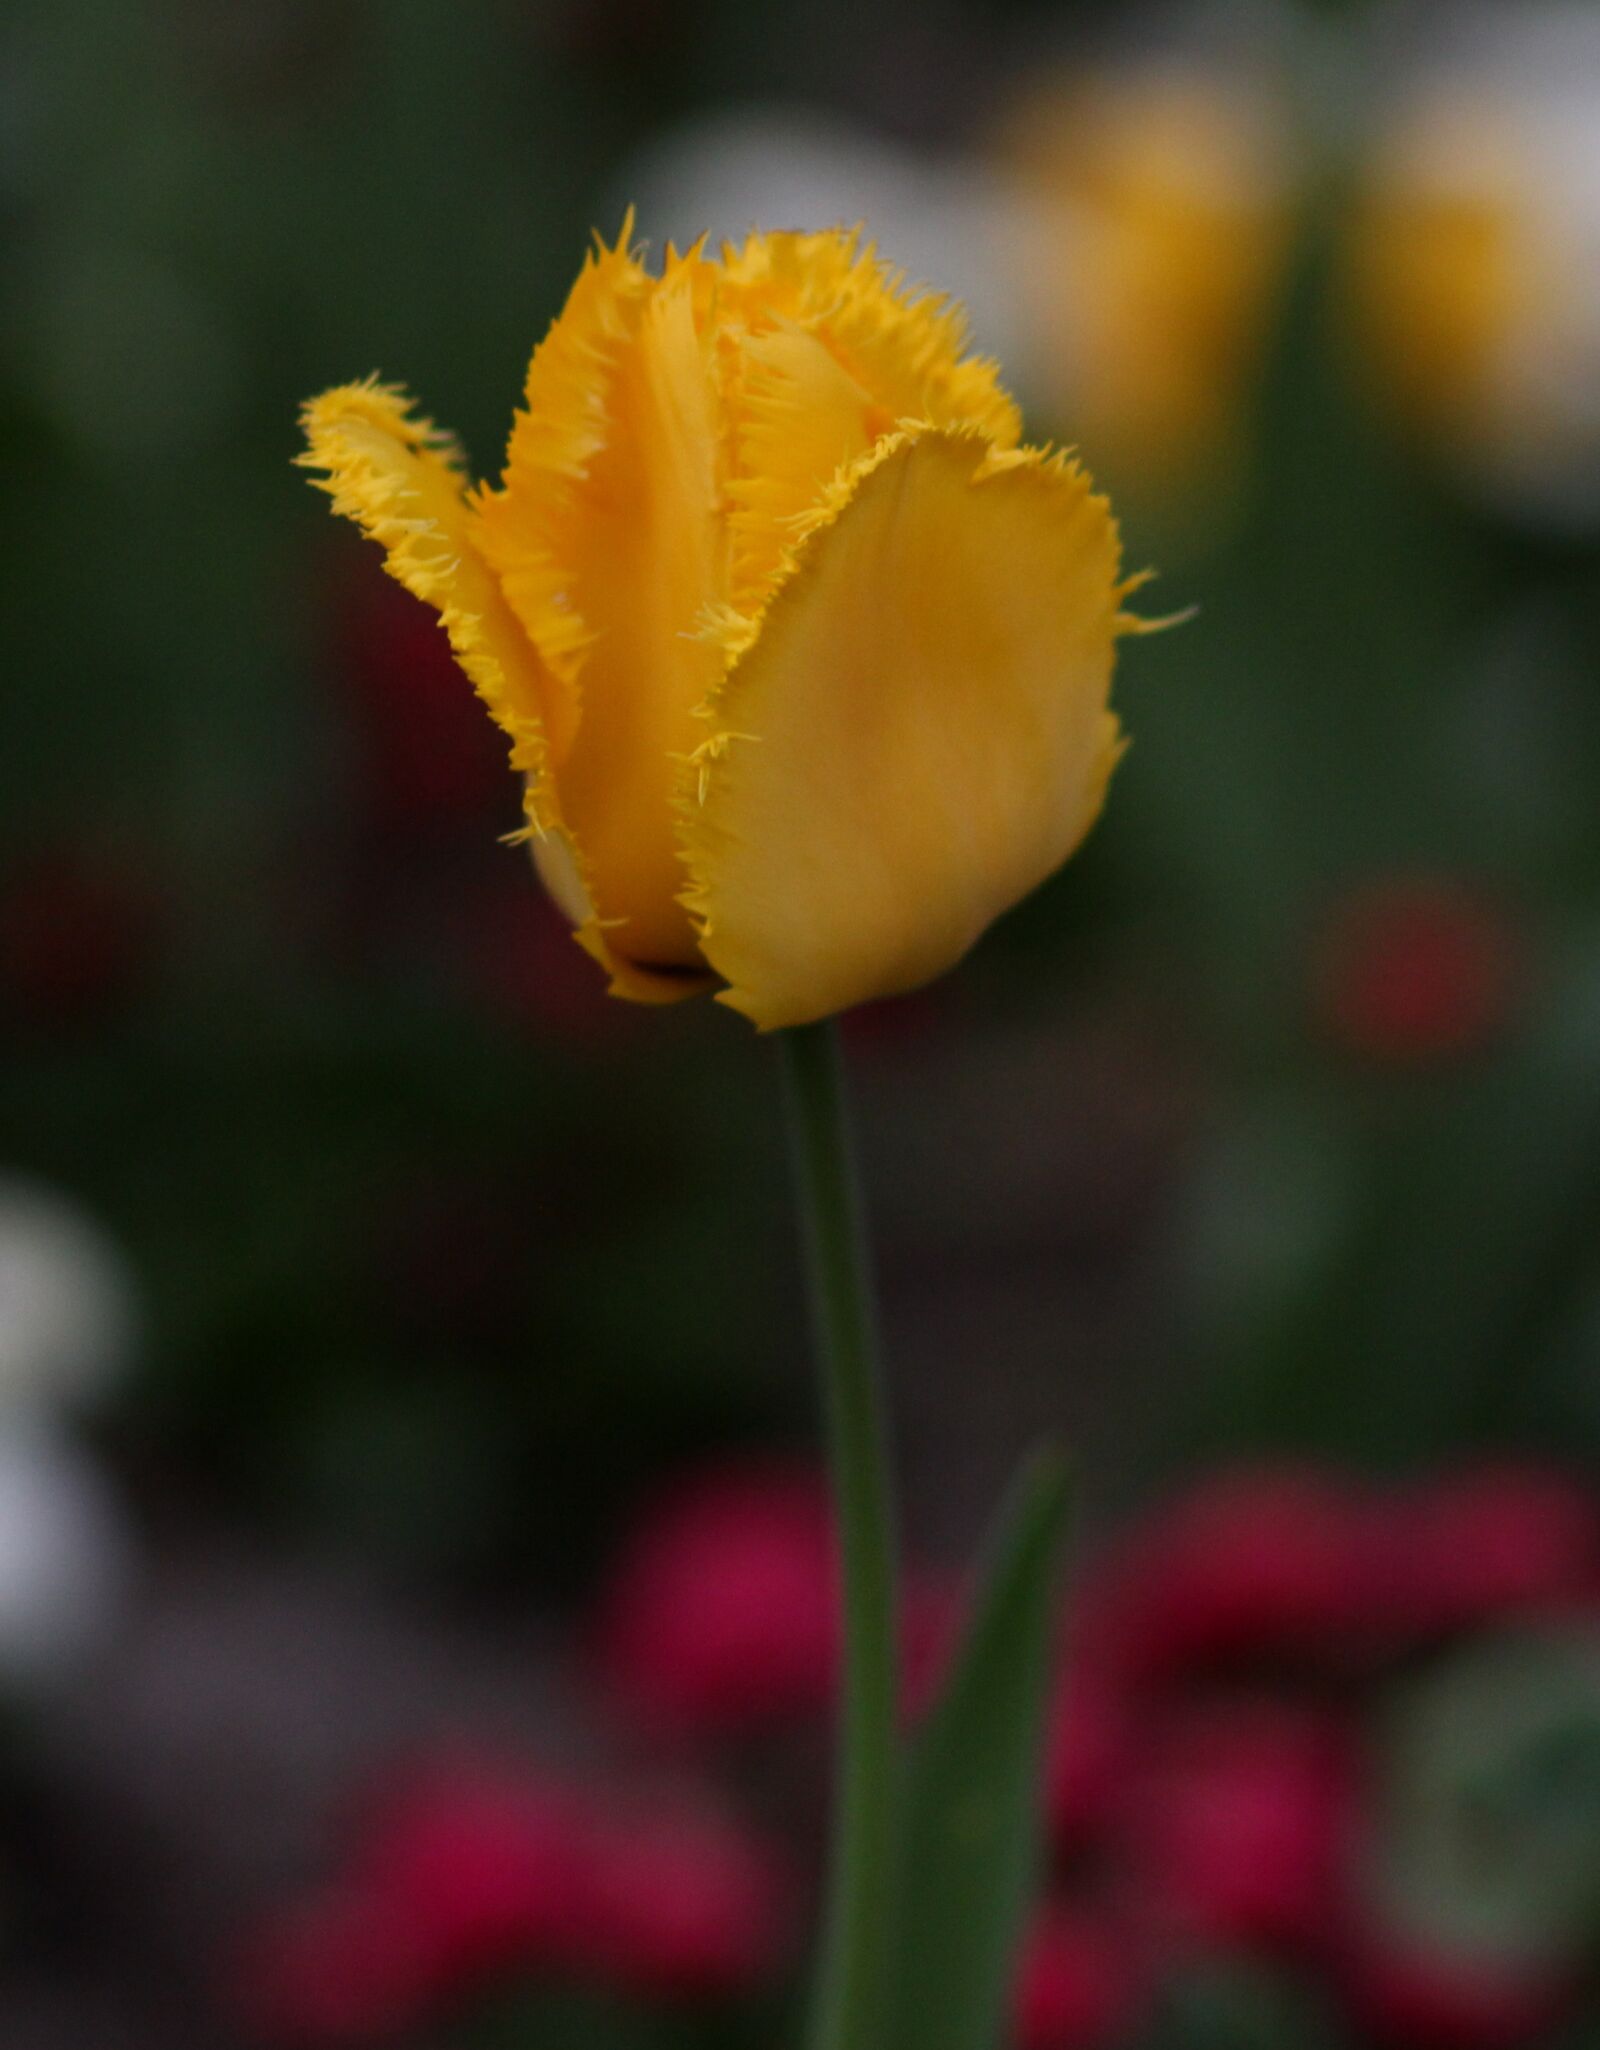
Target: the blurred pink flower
(1089, 1747)
(1240, 1824)
(720, 1613)
(1253, 1565)
(1078, 1985)
(1486, 1543)
(488, 1868)
(687, 1903)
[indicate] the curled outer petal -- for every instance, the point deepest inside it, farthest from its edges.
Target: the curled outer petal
(918, 733)
(526, 527)
(398, 478)
(607, 537)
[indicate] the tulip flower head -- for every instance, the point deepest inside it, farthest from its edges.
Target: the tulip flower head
(803, 657)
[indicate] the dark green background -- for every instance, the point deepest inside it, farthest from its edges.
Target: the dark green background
(436, 1276)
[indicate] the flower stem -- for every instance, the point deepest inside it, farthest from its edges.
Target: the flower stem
(849, 2010)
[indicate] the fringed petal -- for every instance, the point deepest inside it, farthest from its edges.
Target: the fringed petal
(907, 345)
(526, 526)
(647, 554)
(399, 479)
(564, 874)
(799, 418)
(919, 732)
(827, 350)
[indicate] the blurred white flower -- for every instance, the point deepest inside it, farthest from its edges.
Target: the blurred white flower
(68, 1313)
(65, 1559)
(1476, 252)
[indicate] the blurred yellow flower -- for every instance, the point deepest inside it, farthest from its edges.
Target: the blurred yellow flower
(1158, 203)
(804, 659)
(1473, 252)
(1437, 273)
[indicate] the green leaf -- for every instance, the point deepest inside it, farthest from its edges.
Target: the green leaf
(971, 1831)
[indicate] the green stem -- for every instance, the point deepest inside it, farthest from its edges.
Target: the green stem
(850, 1997)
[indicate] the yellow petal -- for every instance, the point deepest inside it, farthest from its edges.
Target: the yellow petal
(646, 557)
(919, 734)
(566, 419)
(831, 349)
(563, 872)
(398, 478)
(601, 533)
(800, 417)
(906, 345)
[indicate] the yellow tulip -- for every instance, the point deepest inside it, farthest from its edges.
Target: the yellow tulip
(804, 659)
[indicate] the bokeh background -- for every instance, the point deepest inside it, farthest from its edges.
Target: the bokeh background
(414, 1589)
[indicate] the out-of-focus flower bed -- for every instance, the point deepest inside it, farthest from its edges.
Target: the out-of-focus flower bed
(1325, 1748)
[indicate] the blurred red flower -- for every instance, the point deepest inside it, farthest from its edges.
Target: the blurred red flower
(519, 951)
(1407, 1996)
(933, 1616)
(1486, 1543)
(1240, 1824)
(426, 747)
(465, 1875)
(1202, 1820)
(1250, 1565)
(487, 1868)
(1088, 1750)
(720, 1614)
(687, 1904)
(1413, 969)
(1078, 1985)
(461, 1873)
(339, 1968)
(891, 1024)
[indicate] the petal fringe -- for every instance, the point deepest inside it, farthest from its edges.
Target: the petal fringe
(827, 348)
(399, 478)
(565, 876)
(525, 526)
(918, 733)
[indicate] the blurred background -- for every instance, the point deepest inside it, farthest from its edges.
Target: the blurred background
(414, 1582)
